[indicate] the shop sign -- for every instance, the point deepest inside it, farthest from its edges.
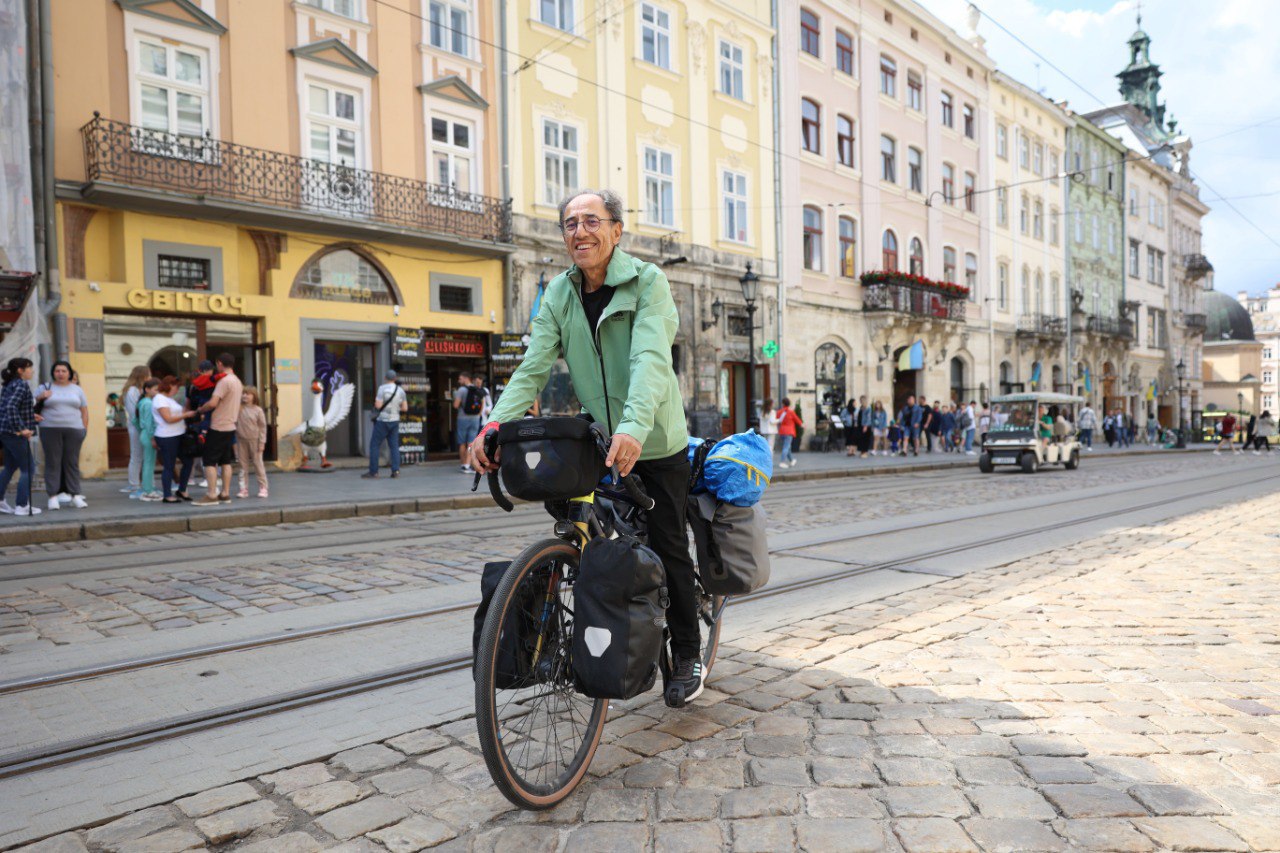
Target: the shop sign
(444, 343)
(505, 354)
(88, 335)
(288, 371)
(406, 344)
(177, 300)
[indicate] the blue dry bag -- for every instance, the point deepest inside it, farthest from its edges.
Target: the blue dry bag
(738, 468)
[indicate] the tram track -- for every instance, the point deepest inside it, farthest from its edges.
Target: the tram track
(70, 751)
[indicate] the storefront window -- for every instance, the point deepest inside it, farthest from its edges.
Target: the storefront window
(829, 378)
(343, 275)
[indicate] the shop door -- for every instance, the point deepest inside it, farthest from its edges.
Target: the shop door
(339, 363)
(733, 394)
(264, 364)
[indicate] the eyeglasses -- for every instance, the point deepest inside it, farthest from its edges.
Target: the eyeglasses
(590, 223)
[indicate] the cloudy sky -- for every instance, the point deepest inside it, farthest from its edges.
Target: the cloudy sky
(1221, 82)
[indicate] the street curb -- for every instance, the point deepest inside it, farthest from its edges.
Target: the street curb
(223, 519)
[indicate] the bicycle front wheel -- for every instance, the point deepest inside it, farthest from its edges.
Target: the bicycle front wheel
(537, 733)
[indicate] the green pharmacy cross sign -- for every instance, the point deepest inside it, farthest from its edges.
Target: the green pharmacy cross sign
(770, 349)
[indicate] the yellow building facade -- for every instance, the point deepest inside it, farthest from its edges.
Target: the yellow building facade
(670, 104)
(310, 187)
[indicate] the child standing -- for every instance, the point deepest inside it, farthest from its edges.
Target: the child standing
(895, 437)
(145, 423)
(251, 441)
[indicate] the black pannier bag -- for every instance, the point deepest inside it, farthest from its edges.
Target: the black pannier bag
(549, 459)
(515, 646)
(732, 546)
(619, 612)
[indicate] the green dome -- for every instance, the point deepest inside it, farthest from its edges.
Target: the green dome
(1225, 319)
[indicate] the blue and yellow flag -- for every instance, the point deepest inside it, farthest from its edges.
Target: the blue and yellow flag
(912, 357)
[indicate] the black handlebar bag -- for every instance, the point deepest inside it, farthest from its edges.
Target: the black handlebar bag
(549, 459)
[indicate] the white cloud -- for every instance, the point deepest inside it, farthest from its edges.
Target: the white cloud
(1221, 73)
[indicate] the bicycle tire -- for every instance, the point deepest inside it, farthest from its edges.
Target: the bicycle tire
(711, 646)
(499, 744)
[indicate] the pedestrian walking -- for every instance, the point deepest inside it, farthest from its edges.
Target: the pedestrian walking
(850, 417)
(219, 443)
(17, 424)
(129, 398)
(968, 425)
(769, 423)
(1227, 432)
(1266, 429)
(170, 433)
(390, 401)
(65, 412)
(144, 422)
(468, 403)
(787, 423)
(1088, 423)
(1153, 428)
(946, 428)
(251, 441)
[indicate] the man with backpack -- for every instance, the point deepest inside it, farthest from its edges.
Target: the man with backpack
(468, 402)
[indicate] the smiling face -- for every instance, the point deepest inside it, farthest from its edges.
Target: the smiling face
(590, 251)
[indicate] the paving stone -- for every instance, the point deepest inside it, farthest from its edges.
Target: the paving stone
(712, 773)
(1128, 769)
(402, 781)
(1176, 800)
(779, 771)
(240, 821)
(326, 797)
(651, 774)
(1013, 834)
(1060, 771)
(306, 776)
(762, 835)
(848, 836)
(1047, 745)
(688, 837)
(166, 841)
(915, 771)
(364, 759)
(419, 742)
(1105, 835)
(1189, 833)
(688, 804)
(416, 833)
(932, 835)
(1260, 833)
(67, 842)
(208, 802)
(844, 773)
(617, 804)
(522, 839)
(759, 802)
(776, 746)
(362, 817)
(132, 827)
(608, 838)
(688, 727)
(925, 801)
(977, 745)
(988, 771)
(1092, 801)
(1011, 802)
(292, 842)
(841, 803)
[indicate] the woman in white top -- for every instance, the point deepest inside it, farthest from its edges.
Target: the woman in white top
(769, 423)
(65, 412)
(171, 425)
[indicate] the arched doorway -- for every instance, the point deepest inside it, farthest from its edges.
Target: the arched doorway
(1006, 378)
(178, 359)
(908, 367)
(830, 372)
(1057, 380)
(1110, 400)
(957, 380)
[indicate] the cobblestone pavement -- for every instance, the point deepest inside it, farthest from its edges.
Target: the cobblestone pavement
(1122, 697)
(126, 602)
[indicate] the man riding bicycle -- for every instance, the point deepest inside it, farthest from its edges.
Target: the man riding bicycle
(613, 319)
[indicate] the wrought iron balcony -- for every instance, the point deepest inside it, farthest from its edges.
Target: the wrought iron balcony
(1048, 326)
(1112, 327)
(1194, 322)
(204, 169)
(1197, 265)
(903, 297)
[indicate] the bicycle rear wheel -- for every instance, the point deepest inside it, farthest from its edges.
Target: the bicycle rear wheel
(537, 733)
(711, 611)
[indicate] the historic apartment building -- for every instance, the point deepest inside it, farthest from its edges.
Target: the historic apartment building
(670, 105)
(1264, 312)
(884, 114)
(288, 184)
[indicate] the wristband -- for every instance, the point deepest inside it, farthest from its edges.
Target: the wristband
(486, 427)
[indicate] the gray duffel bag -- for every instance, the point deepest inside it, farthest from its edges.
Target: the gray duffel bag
(733, 551)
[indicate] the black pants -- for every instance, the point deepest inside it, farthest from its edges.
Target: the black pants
(667, 482)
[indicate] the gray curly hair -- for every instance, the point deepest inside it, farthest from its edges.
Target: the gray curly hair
(612, 202)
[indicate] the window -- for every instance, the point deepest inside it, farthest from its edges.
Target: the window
(333, 132)
(971, 273)
(888, 77)
(1151, 210)
(559, 160)
(1155, 266)
(844, 140)
(556, 13)
(1111, 179)
(1053, 166)
(1054, 216)
(1039, 292)
(455, 298)
(1055, 295)
(655, 36)
(1002, 287)
(915, 169)
(948, 110)
(1002, 142)
(969, 124)
(182, 273)
(448, 24)
(915, 92)
(1133, 201)
(970, 192)
(848, 247)
(810, 33)
(452, 155)
(343, 275)
(1037, 220)
(734, 190)
(659, 187)
(844, 52)
(1159, 215)
(1037, 159)
(812, 239)
(1024, 151)
(1025, 293)
(1097, 232)
(949, 265)
(1024, 214)
(1111, 238)
(1002, 206)
(172, 89)
(1156, 329)
(949, 183)
(915, 258)
(888, 159)
(811, 126)
(345, 8)
(731, 70)
(1079, 226)
(889, 251)
(1077, 155)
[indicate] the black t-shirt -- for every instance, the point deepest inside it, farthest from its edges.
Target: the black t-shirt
(595, 303)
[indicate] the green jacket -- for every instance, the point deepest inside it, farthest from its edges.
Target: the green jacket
(629, 353)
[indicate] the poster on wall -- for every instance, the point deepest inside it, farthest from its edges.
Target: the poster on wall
(505, 354)
(407, 359)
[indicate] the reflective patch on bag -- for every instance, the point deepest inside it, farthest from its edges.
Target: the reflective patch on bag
(532, 459)
(598, 640)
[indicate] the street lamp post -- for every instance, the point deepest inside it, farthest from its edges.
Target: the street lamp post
(750, 283)
(1182, 436)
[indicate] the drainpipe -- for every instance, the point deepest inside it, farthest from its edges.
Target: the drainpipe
(40, 29)
(777, 207)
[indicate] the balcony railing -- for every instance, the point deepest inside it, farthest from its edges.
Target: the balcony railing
(1111, 327)
(915, 299)
(1194, 322)
(1197, 265)
(1042, 326)
(209, 168)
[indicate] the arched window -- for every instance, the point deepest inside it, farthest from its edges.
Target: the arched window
(915, 259)
(1006, 377)
(888, 159)
(810, 33)
(848, 247)
(957, 380)
(812, 238)
(889, 247)
(344, 273)
(971, 273)
(811, 126)
(829, 377)
(949, 265)
(1039, 292)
